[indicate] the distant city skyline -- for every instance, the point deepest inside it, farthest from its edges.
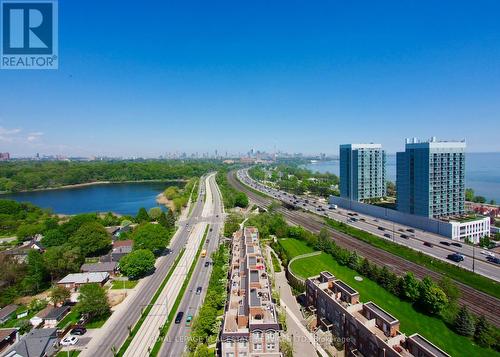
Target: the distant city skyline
(294, 77)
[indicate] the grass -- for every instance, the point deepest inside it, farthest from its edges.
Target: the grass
(124, 284)
(72, 353)
(146, 311)
(97, 323)
(71, 318)
(432, 328)
(156, 348)
(294, 247)
(469, 278)
(276, 263)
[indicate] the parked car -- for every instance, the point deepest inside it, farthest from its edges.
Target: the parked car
(198, 290)
(387, 235)
(78, 330)
(188, 320)
(457, 244)
(445, 243)
(69, 341)
(428, 244)
(179, 316)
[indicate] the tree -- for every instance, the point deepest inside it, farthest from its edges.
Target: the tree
(62, 260)
(59, 294)
(170, 219)
(54, 237)
(432, 298)
(353, 261)
(28, 231)
(391, 189)
(142, 216)
(241, 200)
(155, 213)
(480, 199)
(410, 288)
(93, 302)
(150, 236)
(464, 322)
(450, 289)
(483, 334)
(202, 351)
(137, 264)
(469, 194)
(69, 228)
(36, 275)
(171, 192)
(92, 239)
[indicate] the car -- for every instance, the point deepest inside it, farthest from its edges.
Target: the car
(198, 290)
(207, 264)
(179, 316)
(456, 257)
(445, 243)
(387, 235)
(457, 244)
(401, 230)
(188, 320)
(494, 260)
(404, 236)
(428, 244)
(487, 253)
(411, 230)
(381, 228)
(69, 341)
(362, 220)
(78, 330)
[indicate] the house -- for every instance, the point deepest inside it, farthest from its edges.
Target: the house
(38, 342)
(8, 336)
(39, 318)
(108, 267)
(55, 315)
(120, 249)
(7, 312)
(74, 281)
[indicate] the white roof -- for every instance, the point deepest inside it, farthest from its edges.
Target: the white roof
(84, 278)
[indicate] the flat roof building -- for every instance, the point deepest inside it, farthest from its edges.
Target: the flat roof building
(367, 329)
(431, 178)
(362, 171)
(250, 325)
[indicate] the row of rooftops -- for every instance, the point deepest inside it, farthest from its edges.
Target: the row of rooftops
(371, 316)
(249, 305)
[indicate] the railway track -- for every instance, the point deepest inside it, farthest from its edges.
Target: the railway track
(478, 302)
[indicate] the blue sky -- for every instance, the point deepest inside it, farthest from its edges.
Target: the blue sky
(144, 78)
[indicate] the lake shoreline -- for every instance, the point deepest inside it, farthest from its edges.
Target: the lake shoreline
(86, 184)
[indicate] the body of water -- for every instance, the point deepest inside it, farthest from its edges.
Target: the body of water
(482, 172)
(122, 198)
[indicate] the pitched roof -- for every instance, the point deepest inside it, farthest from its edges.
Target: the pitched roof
(57, 312)
(123, 243)
(6, 332)
(83, 278)
(99, 267)
(7, 310)
(38, 342)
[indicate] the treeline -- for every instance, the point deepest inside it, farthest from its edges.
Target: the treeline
(433, 298)
(231, 197)
(180, 196)
(29, 175)
(296, 180)
(206, 325)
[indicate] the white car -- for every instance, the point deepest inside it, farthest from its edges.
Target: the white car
(487, 253)
(69, 341)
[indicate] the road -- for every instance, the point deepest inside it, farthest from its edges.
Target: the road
(478, 302)
(116, 329)
(175, 341)
(475, 258)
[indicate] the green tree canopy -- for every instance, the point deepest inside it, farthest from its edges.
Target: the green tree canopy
(151, 236)
(92, 239)
(62, 260)
(54, 237)
(142, 216)
(464, 322)
(59, 294)
(155, 213)
(93, 302)
(432, 298)
(36, 276)
(410, 288)
(137, 264)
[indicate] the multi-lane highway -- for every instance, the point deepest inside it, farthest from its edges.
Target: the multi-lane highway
(478, 302)
(114, 332)
(175, 342)
(431, 244)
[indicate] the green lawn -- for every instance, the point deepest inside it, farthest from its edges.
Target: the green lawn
(97, 323)
(411, 321)
(71, 318)
(276, 263)
(294, 247)
(73, 353)
(124, 284)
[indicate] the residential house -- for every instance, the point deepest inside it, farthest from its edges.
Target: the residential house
(40, 316)
(7, 312)
(55, 315)
(8, 336)
(38, 342)
(108, 267)
(120, 249)
(74, 281)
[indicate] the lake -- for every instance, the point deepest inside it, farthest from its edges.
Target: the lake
(482, 172)
(121, 198)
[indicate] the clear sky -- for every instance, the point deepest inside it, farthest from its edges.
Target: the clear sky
(147, 77)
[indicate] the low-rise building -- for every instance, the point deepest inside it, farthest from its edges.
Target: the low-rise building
(54, 316)
(8, 336)
(250, 325)
(365, 328)
(74, 281)
(108, 267)
(7, 312)
(38, 342)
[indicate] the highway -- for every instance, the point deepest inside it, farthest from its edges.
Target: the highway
(116, 329)
(478, 302)
(474, 258)
(176, 339)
